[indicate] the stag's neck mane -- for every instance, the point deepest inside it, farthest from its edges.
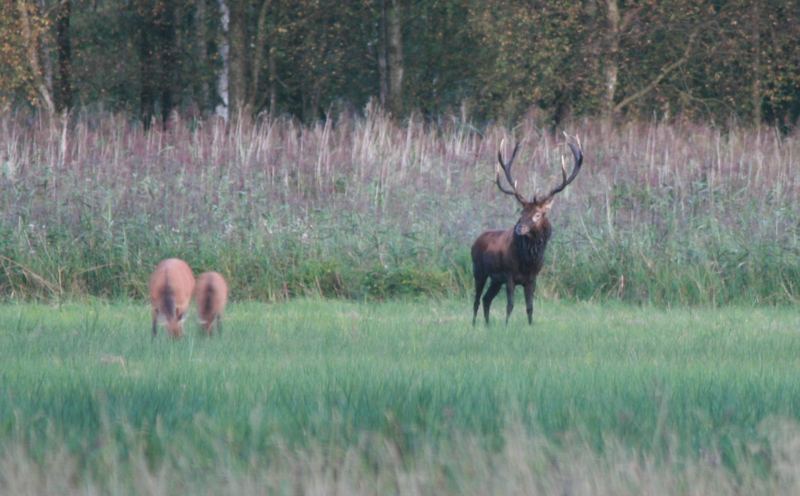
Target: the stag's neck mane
(530, 247)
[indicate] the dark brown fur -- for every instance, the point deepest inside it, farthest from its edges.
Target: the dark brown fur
(515, 256)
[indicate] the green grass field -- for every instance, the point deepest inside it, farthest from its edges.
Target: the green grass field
(400, 397)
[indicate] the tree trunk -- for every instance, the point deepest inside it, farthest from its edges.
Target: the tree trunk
(395, 56)
(44, 52)
(611, 65)
(273, 77)
(167, 58)
(238, 55)
(756, 90)
(382, 49)
(33, 45)
(201, 87)
(147, 64)
(63, 89)
(596, 44)
(254, 102)
(224, 52)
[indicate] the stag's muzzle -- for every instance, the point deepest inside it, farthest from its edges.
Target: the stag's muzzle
(521, 230)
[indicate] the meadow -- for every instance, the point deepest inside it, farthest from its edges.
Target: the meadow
(371, 397)
(663, 357)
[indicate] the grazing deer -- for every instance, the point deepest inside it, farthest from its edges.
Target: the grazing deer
(515, 256)
(211, 294)
(171, 287)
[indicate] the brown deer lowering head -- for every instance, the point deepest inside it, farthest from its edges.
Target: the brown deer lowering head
(515, 256)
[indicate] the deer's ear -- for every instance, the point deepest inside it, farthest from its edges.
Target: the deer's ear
(547, 204)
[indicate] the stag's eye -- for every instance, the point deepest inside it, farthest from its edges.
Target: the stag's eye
(536, 216)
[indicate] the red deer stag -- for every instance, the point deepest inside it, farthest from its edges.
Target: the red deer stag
(515, 256)
(171, 287)
(211, 295)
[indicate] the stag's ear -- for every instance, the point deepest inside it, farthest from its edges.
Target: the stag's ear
(545, 206)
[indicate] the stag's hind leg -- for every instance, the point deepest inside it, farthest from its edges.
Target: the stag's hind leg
(494, 288)
(480, 282)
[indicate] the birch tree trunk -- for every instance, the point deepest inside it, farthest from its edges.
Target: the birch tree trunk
(224, 50)
(611, 67)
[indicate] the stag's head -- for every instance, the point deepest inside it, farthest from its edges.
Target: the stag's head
(534, 212)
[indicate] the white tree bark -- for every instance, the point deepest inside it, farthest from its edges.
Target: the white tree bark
(611, 68)
(224, 51)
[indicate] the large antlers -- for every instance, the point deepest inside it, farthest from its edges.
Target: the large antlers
(576, 152)
(507, 170)
(565, 180)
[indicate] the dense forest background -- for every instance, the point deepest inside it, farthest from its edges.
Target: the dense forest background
(486, 60)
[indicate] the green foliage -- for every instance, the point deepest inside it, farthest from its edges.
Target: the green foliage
(492, 60)
(385, 282)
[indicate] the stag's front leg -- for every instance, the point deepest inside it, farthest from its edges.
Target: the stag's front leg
(509, 297)
(530, 287)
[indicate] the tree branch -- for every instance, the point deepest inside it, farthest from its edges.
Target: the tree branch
(665, 71)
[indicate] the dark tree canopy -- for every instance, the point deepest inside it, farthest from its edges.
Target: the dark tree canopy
(486, 59)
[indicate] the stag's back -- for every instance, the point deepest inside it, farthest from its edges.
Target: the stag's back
(171, 288)
(211, 295)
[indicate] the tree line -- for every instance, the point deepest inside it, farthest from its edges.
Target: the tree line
(482, 59)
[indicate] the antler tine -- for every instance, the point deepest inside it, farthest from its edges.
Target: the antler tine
(513, 192)
(565, 181)
(507, 165)
(507, 171)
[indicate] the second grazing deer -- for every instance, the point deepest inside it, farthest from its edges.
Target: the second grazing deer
(211, 295)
